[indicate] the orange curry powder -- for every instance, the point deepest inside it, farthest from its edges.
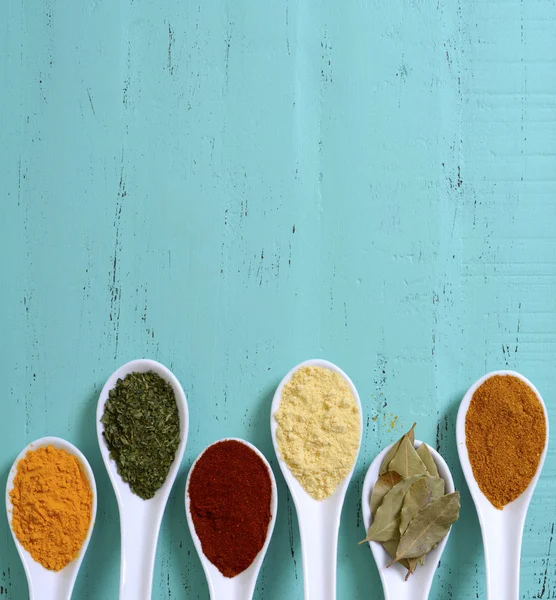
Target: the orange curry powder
(505, 433)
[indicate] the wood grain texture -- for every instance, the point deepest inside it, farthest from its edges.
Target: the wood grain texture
(233, 187)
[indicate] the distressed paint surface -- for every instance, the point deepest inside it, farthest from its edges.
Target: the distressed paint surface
(233, 187)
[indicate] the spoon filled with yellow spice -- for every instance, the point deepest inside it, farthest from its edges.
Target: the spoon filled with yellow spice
(502, 437)
(51, 504)
(316, 423)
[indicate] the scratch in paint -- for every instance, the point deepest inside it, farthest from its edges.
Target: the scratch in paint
(547, 562)
(91, 102)
(115, 286)
(290, 532)
(170, 44)
(518, 327)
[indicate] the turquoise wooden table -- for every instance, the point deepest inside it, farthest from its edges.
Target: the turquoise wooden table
(233, 187)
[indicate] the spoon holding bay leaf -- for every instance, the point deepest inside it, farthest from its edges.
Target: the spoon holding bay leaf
(393, 576)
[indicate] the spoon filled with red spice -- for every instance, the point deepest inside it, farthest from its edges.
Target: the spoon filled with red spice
(502, 438)
(231, 502)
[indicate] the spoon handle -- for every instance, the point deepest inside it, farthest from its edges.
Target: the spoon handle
(399, 589)
(502, 543)
(139, 538)
(57, 590)
(319, 542)
(232, 590)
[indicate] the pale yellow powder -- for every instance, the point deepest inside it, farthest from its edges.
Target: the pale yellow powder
(319, 429)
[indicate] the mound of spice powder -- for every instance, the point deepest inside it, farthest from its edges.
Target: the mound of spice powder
(52, 506)
(319, 429)
(142, 430)
(230, 494)
(505, 435)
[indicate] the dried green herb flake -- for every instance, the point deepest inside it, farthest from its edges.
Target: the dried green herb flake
(142, 430)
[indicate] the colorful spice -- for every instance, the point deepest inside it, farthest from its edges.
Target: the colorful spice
(52, 506)
(319, 429)
(230, 494)
(505, 434)
(142, 430)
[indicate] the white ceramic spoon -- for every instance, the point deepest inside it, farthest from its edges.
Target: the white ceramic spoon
(502, 530)
(45, 584)
(319, 521)
(140, 519)
(418, 585)
(242, 586)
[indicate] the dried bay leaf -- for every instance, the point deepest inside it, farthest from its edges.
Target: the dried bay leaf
(382, 486)
(406, 461)
(436, 486)
(412, 564)
(429, 526)
(391, 453)
(386, 522)
(425, 455)
(417, 497)
(391, 546)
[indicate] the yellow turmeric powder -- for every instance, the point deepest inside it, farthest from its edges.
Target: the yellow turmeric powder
(52, 506)
(505, 435)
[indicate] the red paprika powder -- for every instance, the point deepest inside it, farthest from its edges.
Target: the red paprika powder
(230, 497)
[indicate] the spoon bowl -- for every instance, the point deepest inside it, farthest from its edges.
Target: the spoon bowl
(140, 519)
(44, 583)
(502, 530)
(242, 586)
(319, 520)
(418, 585)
